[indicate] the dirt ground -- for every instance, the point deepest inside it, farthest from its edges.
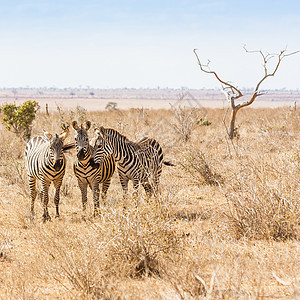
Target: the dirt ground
(225, 225)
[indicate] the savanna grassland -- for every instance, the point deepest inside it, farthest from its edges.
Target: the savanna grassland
(226, 224)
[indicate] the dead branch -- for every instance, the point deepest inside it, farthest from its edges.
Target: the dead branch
(266, 58)
(232, 88)
(232, 93)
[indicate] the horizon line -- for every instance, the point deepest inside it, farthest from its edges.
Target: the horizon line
(139, 88)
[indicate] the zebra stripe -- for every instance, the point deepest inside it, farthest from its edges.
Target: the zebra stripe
(88, 173)
(139, 161)
(45, 161)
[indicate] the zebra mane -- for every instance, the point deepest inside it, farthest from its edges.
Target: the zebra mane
(113, 132)
(140, 144)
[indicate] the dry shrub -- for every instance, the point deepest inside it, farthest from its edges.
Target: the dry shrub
(264, 200)
(197, 165)
(74, 261)
(203, 273)
(142, 237)
(214, 265)
(130, 244)
(67, 116)
(185, 121)
(67, 187)
(12, 167)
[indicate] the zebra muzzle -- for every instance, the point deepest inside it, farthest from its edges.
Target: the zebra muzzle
(58, 165)
(80, 154)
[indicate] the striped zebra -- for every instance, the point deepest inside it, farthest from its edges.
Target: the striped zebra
(139, 161)
(86, 171)
(45, 161)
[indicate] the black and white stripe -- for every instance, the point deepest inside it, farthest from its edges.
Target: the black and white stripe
(88, 173)
(45, 161)
(139, 161)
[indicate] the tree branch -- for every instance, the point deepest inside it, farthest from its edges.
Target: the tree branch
(235, 93)
(232, 93)
(266, 58)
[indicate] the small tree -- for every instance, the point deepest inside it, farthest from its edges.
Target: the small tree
(186, 118)
(232, 93)
(111, 106)
(18, 119)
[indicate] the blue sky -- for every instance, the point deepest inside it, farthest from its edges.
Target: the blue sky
(116, 44)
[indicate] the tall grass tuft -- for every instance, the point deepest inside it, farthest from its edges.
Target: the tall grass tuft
(120, 244)
(197, 165)
(264, 201)
(141, 238)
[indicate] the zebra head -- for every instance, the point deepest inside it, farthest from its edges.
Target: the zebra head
(56, 148)
(102, 147)
(81, 139)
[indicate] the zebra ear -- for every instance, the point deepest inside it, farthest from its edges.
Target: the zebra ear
(65, 126)
(97, 131)
(102, 131)
(47, 134)
(75, 125)
(64, 135)
(93, 141)
(87, 125)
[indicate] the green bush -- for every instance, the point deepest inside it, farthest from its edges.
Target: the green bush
(18, 119)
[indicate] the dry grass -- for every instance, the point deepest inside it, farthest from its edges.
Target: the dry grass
(226, 224)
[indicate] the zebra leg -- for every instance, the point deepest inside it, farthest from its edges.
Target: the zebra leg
(156, 187)
(46, 184)
(96, 193)
(57, 185)
(135, 193)
(148, 189)
(124, 183)
(83, 189)
(105, 186)
(136, 185)
(33, 192)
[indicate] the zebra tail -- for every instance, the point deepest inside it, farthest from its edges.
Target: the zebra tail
(168, 163)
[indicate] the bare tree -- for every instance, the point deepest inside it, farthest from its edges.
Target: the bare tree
(232, 93)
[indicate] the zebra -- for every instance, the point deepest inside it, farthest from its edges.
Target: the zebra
(139, 161)
(45, 161)
(86, 171)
